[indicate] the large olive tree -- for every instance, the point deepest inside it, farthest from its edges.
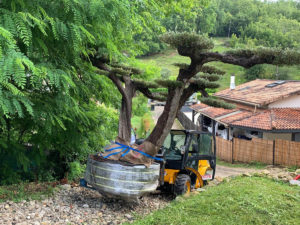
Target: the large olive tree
(192, 77)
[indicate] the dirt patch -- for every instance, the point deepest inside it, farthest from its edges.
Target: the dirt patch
(225, 171)
(273, 172)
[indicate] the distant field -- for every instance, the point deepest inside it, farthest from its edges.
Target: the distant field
(166, 60)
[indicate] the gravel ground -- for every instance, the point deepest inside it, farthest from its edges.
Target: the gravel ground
(77, 205)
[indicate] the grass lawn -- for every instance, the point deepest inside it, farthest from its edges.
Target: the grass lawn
(25, 191)
(166, 60)
(243, 200)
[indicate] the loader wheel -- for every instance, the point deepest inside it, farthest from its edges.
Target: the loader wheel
(182, 184)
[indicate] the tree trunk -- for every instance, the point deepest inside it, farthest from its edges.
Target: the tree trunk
(166, 120)
(125, 112)
(124, 120)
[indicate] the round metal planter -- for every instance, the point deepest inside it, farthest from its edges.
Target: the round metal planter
(122, 181)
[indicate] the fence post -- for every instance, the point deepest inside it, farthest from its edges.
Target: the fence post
(232, 149)
(273, 152)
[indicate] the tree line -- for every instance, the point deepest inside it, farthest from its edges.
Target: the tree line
(254, 22)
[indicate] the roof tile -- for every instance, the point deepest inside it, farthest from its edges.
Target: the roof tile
(256, 92)
(269, 119)
(199, 106)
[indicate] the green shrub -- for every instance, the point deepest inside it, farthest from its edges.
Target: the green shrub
(255, 72)
(233, 41)
(75, 170)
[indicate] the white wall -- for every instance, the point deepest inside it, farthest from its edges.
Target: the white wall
(190, 115)
(290, 102)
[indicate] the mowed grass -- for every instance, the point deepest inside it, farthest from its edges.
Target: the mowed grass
(243, 200)
(166, 60)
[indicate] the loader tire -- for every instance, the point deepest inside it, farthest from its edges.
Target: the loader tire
(182, 184)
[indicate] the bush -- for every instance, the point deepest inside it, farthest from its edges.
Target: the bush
(255, 72)
(75, 170)
(49, 154)
(143, 125)
(165, 73)
(233, 40)
(139, 105)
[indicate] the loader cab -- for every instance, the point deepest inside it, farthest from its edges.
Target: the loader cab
(189, 154)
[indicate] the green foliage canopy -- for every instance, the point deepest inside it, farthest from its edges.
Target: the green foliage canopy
(54, 107)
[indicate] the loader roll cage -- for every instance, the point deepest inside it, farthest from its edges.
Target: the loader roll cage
(184, 148)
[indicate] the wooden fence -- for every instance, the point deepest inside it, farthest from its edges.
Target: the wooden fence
(226, 149)
(287, 153)
(278, 152)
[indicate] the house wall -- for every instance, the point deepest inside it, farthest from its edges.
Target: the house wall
(290, 102)
(274, 136)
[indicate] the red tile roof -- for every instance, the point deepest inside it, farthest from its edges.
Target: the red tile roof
(286, 118)
(273, 119)
(242, 114)
(270, 119)
(199, 106)
(256, 93)
(260, 121)
(214, 112)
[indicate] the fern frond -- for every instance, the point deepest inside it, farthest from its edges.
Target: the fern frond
(19, 73)
(59, 121)
(7, 36)
(18, 107)
(23, 30)
(12, 88)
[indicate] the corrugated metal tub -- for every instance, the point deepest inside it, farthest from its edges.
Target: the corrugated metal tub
(120, 180)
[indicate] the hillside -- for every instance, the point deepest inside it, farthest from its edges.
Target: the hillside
(166, 60)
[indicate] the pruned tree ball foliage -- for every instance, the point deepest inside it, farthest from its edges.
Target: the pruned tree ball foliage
(217, 102)
(170, 84)
(188, 40)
